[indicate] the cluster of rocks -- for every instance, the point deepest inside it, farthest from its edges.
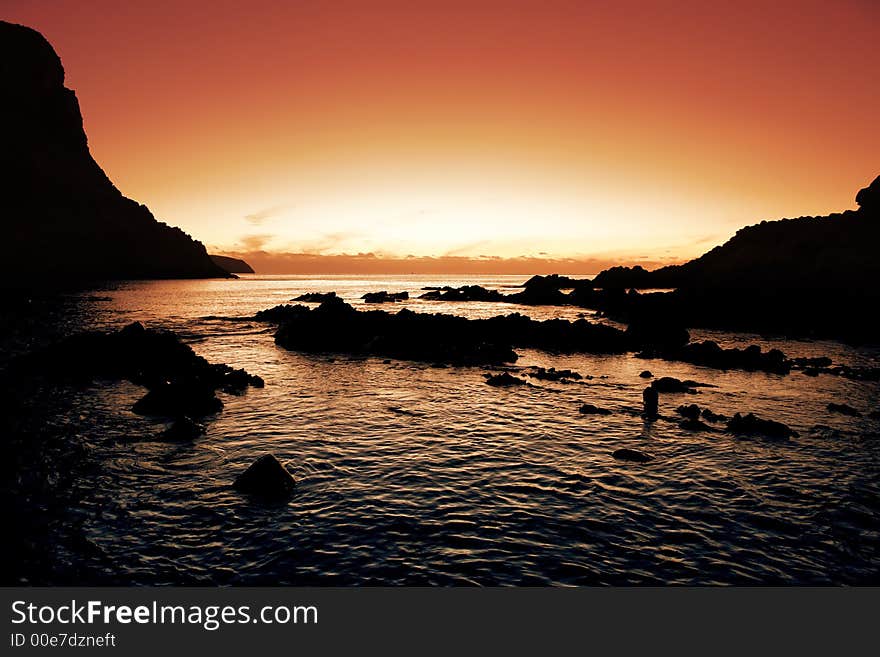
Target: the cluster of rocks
(504, 380)
(710, 354)
(316, 297)
(464, 293)
(335, 326)
(552, 374)
(385, 297)
(180, 383)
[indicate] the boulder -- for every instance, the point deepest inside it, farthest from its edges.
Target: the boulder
(633, 455)
(193, 399)
(751, 424)
(265, 477)
(646, 374)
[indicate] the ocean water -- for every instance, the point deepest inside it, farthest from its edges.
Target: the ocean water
(414, 475)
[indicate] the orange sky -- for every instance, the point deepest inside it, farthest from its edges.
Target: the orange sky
(634, 130)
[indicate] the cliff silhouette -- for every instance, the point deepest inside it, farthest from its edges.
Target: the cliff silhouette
(62, 216)
(810, 275)
(232, 265)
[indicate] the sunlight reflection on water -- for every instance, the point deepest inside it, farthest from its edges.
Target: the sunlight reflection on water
(409, 474)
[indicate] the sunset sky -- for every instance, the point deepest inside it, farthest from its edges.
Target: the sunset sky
(631, 131)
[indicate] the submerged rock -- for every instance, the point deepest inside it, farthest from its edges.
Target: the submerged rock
(590, 409)
(713, 417)
(183, 429)
(633, 455)
(691, 412)
(265, 477)
(695, 424)
(751, 424)
(844, 409)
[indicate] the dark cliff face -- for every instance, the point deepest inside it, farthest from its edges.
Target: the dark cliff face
(840, 252)
(232, 265)
(61, 216)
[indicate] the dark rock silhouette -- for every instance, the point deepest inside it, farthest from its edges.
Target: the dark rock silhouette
(193, 398)
(62, 217)
(844, 409)
(504, 380)
(650, 402)
(710, 354)
(691, 411)
(713, 417)
(266, 477)
(336, 326)
(805, 276)
(552, 374)
(695, 424)
(316, 297)
(180, 382)
(591, 409)
(868, 198)
(464, 293)
(646, 374)
(751, 424)
(671, 384)
(632, 455)
(232, 265)
(385, 297)
(556, 282)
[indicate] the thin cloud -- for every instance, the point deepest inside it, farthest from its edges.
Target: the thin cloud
(259, 217)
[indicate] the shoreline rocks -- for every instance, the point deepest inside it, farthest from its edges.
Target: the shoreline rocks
(179, 382)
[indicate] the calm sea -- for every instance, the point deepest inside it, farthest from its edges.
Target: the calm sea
(409, 474)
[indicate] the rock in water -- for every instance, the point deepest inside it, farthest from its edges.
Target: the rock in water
(844, 409)
(633, 455)
(174, 399)
(504, 380)
(751, 424)
(183, 430)
(650, 401)
(590, 409)
(646, 374)
(265, 477)
(691, 412)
